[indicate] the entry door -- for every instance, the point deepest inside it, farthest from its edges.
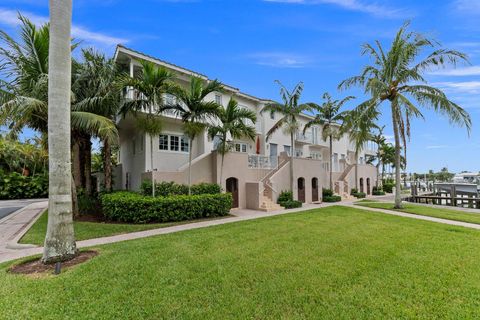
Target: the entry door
(301, 189)
(273, 154)
(314, 189)
(368, 186)
(232, 187)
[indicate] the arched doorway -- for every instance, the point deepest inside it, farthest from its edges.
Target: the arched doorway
(232, 187)
(368, 186)
(361, 184)
(301, 189)
(314, 189)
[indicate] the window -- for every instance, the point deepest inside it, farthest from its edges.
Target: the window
(169, 99)
(241, 147)
(272, 115)
(218, 99)
(286, 149)
(316, 155)
(176, 143)
(163, 142)
(184, 144)
(298, 153)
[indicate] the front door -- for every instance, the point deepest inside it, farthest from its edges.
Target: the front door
(301, 189)
(361, 184)
(232, 187)
(273, 154)
(314, 189)
(368, 186)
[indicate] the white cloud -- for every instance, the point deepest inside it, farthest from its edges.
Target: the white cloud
(458, 72)
(440, 146)
(469, 6)
(9, 17)
(470, 87)
(353, 5)
(280, 59)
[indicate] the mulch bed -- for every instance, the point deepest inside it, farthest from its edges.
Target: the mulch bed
(37, 267)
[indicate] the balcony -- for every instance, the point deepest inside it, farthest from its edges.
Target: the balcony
(256, 161)
(304, 137)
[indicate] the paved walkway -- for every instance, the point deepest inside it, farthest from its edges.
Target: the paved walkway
(20, 221)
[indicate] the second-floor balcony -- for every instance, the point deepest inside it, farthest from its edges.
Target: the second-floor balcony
(304, 137)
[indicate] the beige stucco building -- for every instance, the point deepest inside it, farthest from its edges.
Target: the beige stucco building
(254, 171)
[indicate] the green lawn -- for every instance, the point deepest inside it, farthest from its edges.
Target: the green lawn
(336, 263)
(91, 230)
(437, 212)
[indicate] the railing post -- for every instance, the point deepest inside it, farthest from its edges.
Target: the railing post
(453, 194)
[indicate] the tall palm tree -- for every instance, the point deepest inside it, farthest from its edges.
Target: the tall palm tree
(150, 88)
(60, 239)
(233, 122)
(328, 116)
(97, 93)
(194, 111)
(397, 77)
(290, 110)
(24, 98)
(359, 124)
(379, 139)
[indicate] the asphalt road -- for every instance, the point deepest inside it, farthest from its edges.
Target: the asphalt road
(9, 206)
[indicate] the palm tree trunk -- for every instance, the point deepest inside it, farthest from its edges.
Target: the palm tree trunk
(292, 139)
(331, 162)
(221, 170)
(151, 165)
(356, 170)
(88, 166)
(60, 239)
(77, 172)
(107, 165)
(190, 167)
(398, 195)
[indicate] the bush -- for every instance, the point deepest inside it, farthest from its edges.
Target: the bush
(290, 204)
(135, 208)
(285, 199)
(376, 191)
(353, 191)
(88, 204)
(165, 189)
(17, 186)
(327, 193)
(332, 198)
(388, 187)
(359, 195)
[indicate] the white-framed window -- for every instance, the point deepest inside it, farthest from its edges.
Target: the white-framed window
(272, 115)
(174, 143)
(218, 99)
(298, 153)
(241, 147)
(316, 155)
(287, 149)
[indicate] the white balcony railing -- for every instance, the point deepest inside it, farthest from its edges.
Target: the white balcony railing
(304, 137)
(256, 161)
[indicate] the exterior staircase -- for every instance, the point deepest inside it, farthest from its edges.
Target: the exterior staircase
(345, 192)
(266, 202)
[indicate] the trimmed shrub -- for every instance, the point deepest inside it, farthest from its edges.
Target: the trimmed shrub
(388, 187)
(17, 186)
(332, 198)
(290, 204)
(353, 191)
(359, 195)
(285, 199)
(165, 189)
(135, 208)
(327, 192)
(378, 191)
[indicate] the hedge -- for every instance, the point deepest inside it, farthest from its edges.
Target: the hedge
(135, 208)
(165, 189)
(285, 199)
(17, 186)
(378, 191)
(359, 195)
(333, 198)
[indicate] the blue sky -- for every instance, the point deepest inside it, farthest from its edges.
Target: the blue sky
(251, 43)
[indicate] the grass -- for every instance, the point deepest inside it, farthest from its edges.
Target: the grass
(90, 230)
(331, 263)
(436, 212)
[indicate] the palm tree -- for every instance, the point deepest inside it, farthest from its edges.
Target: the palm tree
(24, 98)
(379, 139)
(397, 77)
(149, 87)
(194, 111)
(290, 110)
(233, 122)
(359, 124)
(97, 93)
(329, 117)
(60, 239)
